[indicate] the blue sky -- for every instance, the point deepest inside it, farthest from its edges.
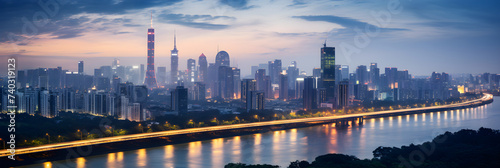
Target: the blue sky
(454, 36)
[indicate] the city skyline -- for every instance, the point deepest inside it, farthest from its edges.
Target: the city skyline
(229, 25)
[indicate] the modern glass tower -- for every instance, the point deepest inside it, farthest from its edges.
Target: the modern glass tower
(328, 71)
(174, 63)
(150, 80)
(203, 69)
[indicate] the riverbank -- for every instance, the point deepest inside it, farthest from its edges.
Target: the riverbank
(160, 141)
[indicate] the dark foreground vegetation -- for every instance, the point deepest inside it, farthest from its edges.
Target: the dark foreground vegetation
(465, 148)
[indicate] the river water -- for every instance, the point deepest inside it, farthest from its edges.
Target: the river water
(282, 147)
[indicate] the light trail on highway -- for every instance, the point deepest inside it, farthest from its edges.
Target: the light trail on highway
(64, 145)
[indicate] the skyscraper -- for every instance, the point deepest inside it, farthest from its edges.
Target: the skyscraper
(275, 70)
(362, 74)
(174, 62)
(374, 76)
(345, 72)
(162, 75)
(203, 68)
(225, 83)
(255, 100)
(299, 88)
(309, 96)
(283, 84)
(150, 80)
(179, 100)
(191, 70)
(247, 85)
(328, 71)
(141, 75)
(343, 94)
(222, 59)
(236, 82)
(199, 91)
(259, 78)
(80, 67)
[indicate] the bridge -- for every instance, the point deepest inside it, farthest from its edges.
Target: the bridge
(341, 120)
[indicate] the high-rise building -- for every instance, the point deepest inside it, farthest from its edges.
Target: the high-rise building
(21, 79)
(237, 83)
(174, 62)
(276, 71)
(203, 68)
(80, 67)
(134, 112)
(265, 67)
(150, 80)
(328, 71)
(268, 88)
(225, 82)
(338, 74)
(191, 70)
(254, 70)
(259, 78)
(317, 72)
(222, 59)
(343, 95)
(309, 94)
(43, 105)
(293, 73)
(247, 85)
(391, 74)
(179, 100)
(199, 91)
(345, 72)
(283, 84)
(141, 74)
(299, 88)
(362, 75)
(255, 100)
(162, 75)
(374, 77)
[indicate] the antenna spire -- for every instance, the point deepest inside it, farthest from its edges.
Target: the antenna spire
(151, 19)
(175, 40)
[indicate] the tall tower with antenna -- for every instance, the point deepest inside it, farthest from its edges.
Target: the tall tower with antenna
(174, 62)
(150, 79)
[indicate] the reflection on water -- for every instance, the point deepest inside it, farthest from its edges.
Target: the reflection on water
(80, 162)
(47, 165)
(283, 146)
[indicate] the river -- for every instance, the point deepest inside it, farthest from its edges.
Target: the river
(283, 146)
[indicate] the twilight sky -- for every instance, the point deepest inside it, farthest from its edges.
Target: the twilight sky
(454, 36)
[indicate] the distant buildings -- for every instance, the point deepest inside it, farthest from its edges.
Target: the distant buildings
(309, 94)
(179, 100)
(203, 68)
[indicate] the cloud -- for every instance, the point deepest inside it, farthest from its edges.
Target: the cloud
(237, 4)
(346, 22)
(18, 16)
(456, 14)
(196, 21)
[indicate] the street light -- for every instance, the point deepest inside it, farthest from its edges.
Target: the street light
(81, 135)
(47, 134)
(3, 142)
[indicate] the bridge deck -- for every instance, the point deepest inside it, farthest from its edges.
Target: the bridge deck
(63, 145)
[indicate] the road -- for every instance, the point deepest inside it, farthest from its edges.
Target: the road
(79, 143)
